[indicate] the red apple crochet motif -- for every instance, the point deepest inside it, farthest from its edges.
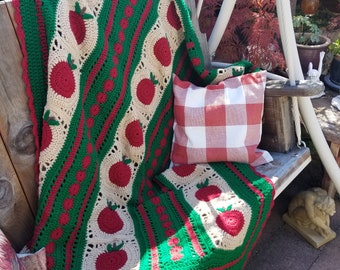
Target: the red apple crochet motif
(207, 192)
(46, 130)
(162, 51)
(184, 170)
(134, 133)
(108, 219)
(146, 89)
(173, 17)
(114, 258)
(120, 173)
(231, 221)
(62, 78)
(77, 23)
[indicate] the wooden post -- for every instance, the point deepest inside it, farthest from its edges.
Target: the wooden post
(16, 219)
(18, 188)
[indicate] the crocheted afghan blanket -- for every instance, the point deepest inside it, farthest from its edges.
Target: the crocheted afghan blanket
(99, 79)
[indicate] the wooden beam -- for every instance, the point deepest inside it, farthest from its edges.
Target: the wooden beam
(304, 88)
(18, 188)
(17, 221)
(15, 124)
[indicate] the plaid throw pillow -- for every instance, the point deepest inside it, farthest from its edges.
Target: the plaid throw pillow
(220, 122)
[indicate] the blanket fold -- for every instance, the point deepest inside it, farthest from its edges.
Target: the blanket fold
(99, 79)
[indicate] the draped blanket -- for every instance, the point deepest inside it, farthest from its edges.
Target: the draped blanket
(99, 80)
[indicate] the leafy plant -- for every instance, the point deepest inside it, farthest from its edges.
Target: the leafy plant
(335, 47)
(252, 33)
(307, 32)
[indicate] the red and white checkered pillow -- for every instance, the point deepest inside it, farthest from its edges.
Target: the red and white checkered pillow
(220, 122)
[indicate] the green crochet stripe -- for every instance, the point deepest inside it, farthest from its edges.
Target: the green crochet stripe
(36, 68)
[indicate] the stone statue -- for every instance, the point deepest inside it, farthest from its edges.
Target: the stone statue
(309, 212)
(312, 209)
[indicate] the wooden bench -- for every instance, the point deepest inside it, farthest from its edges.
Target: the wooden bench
(289, 161)
(18, 189)
(278, 128)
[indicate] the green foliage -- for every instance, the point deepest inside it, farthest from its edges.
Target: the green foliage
(307, 32)
(252, 33)
(335, 47)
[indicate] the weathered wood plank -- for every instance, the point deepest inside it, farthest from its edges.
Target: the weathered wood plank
(303, 88)
(15, 124)
(16, 219)
(278, 131)
(10, 10)
(285, 167)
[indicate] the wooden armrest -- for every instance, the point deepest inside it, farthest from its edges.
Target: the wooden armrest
(303, 88)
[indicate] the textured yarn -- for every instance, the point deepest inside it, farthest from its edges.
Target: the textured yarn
(99, 79)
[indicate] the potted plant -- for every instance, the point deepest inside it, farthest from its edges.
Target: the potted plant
(310, 41)
(334, 71)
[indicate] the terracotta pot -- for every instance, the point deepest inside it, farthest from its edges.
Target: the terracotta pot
(311, 53)
(309, 7)
(334, 70)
